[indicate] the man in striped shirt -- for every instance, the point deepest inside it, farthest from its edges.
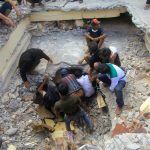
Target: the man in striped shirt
(70, 80)
(115, 78)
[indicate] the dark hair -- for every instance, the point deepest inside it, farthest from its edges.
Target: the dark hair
(78, 73)
(105, 55)
(64, 72)
(63, 89)
(106, 52)
(93, 47)
(104, 68)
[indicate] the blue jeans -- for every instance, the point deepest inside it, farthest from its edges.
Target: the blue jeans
(119, 94)
(118, 89)
(75, 117)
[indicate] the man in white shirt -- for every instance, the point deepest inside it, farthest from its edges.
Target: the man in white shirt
(115, 77)
(86, 83)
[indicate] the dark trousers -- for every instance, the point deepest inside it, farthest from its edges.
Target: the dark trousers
(81, 114)
(119, 94)
(118, 89)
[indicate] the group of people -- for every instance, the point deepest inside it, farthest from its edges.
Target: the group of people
(65, 96)
(6, 7)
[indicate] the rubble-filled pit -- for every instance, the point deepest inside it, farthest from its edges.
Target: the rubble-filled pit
(17, 111)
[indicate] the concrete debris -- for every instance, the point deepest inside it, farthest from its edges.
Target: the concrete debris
(145, 107)
(11, 131)
(11, 147)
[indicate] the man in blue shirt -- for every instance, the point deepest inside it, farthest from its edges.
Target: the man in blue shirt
(95, 33)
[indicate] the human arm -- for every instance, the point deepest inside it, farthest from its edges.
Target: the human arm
(87, 35)
(57, 110)
(24, 76)
(43, 55)
(113, 57)
(103, 36)
(40, 89)
(7, 20)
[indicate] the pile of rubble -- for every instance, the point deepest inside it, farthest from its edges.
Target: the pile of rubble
(17, 110)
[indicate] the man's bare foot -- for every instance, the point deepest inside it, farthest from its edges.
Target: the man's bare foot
(118, 111)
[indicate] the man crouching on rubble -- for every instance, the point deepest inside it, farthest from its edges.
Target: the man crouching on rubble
(70, 106)
(114, 77)
(28, 61)
(5, 9)
(95, 33)
(47, 95)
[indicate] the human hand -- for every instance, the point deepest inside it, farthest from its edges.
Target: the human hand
(8, 21)
(27, 84)
(50, 60)
(18, 13)
(96, 39)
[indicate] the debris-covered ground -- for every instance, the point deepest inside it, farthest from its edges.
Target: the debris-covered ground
(17, 112)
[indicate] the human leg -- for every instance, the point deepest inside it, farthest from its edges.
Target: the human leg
(101, 41)
(119, 94)
(86, 58)
(86, 119)
(67, 122)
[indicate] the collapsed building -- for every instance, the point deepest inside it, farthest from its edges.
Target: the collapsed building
(57, 29)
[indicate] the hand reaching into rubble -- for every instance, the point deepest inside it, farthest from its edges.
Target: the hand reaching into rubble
(27, 84)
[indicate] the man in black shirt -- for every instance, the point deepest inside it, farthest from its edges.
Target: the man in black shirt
(95, 33)
(47, 94)
(28, 61)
